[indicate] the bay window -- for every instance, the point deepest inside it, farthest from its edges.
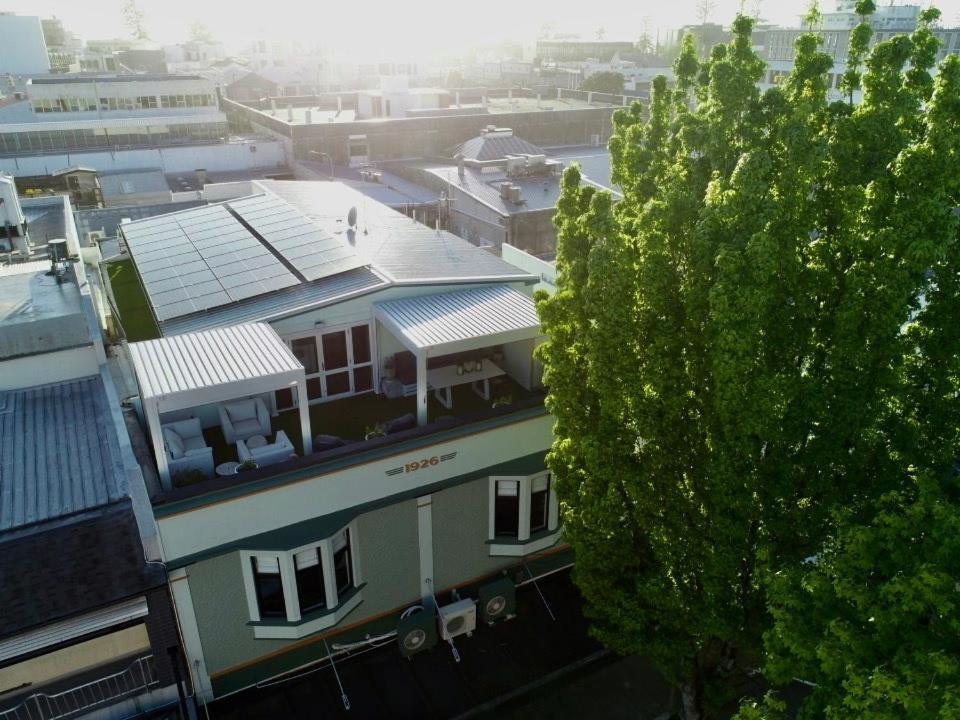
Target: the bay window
(295, 592)
(523, 514)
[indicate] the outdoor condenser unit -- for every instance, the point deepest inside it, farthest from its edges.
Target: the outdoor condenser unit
(417, 632)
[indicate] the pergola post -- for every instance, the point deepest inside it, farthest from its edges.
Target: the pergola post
(151, 411)
(422, 388)
(303, 405)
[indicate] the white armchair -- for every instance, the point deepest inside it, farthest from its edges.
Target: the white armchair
(277, 451)
(186, 448)
(244, 419)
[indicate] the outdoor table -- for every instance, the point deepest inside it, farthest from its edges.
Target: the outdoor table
(443, 379)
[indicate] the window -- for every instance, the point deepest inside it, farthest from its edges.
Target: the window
(299, 591)
(539, 505)
(524, 515)
(507, 508)
(309, 574)
(269, 586)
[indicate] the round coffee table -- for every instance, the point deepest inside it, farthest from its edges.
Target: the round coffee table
(227, 468)
(256, 441)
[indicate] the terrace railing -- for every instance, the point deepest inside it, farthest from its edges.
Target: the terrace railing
(139, 676)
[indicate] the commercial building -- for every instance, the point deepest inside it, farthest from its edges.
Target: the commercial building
(22, 48)
(122, 122)
(574, 50)
(87, 625)
(835, 29)
(330, 128)
(348, 429)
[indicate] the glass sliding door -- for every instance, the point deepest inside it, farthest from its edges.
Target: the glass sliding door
(338, 362)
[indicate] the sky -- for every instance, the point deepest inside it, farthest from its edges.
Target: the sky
(408, 30)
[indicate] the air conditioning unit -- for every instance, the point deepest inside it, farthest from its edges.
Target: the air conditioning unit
(498, 601)
(459, 618)
(417, 632)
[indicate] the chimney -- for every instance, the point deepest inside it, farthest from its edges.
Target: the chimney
(590, 97)
(201, 176)
(483, 100)
(339, 104)
(505, 190)
(457, 101)
(273, 106)
(461, 171)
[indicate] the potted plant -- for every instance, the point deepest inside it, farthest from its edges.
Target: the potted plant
(377, 430)
(249, 464)
(188, 477)
(502, 401)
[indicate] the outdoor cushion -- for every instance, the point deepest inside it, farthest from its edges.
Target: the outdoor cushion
(404, 422)
(242, 411)
(192, 444)
(243, 427)
(174, 444)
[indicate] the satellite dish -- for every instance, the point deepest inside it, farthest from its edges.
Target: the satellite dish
(352, 217)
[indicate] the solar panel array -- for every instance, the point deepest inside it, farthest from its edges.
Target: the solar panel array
(199, 259)
(315, 253)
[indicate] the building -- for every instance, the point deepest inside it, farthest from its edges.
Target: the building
(122, 122)
(396, 99)
(575, 50)
(504, 189)
(835, 28)
(399, 474)
(329, 128)
(88, 624)
(22, 48)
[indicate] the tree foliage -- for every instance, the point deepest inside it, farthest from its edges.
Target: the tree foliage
(726, 345)
(605, 82)
(134, 18)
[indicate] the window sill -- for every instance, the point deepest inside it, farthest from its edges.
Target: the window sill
(518, 548)
(310, 623)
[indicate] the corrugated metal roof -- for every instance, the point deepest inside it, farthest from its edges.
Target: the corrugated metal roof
(433, 320)
(185, 363)
(59, 452)
(299, 298)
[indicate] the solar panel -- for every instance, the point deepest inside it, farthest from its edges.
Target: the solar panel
(201, 258)
(313, 251)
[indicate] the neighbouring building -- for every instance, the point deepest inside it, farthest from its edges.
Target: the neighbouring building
(504, 189)
(22, 48)
(347, 427)
(573, 50)
(88, 625)
(835, 28)
(124, 122)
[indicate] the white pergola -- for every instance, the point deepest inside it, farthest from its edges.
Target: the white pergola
(454, 322)
(213, 366)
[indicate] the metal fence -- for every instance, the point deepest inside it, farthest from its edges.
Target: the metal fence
(139, 676)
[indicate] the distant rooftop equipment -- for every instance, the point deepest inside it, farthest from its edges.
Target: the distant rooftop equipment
(494, 131)
(59, 257)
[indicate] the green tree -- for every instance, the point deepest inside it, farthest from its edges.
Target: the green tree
(721, 344)
(605, 82)
(199, 32)
(133, 18)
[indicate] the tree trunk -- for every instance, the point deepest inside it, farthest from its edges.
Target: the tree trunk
(690, 701)
(690, 698)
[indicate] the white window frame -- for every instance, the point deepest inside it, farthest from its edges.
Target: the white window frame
(523, 545)
(294, 626)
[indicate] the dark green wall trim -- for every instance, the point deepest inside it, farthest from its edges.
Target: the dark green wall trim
(385, 447)
(319, 528)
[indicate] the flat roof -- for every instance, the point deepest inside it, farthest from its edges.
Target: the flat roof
(107, 220)
(59, 452)
(38, 314)
(456, 321)
(81, 79)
